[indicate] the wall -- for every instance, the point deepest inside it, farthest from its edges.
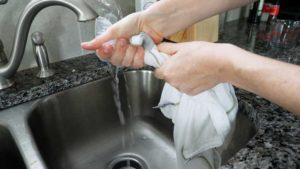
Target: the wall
(62, 32)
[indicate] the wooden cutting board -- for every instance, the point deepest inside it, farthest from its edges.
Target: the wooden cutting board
(206, 30)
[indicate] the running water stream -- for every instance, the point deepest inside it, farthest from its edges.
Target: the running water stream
(112, 70)
(117, 99)
(111, 13)
(127, 136)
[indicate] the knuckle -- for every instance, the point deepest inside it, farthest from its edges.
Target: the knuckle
(126, 63)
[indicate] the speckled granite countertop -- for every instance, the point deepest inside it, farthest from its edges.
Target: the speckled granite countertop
(69, 73)
(277, 142)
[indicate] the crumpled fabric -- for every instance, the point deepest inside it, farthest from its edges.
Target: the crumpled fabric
(202, 123)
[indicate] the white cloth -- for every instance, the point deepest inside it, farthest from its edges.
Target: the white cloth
(202, 123)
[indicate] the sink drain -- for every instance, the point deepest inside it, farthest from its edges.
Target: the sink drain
(127, 162)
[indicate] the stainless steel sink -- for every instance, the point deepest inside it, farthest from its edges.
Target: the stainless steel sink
(10, 157)
(80, 128)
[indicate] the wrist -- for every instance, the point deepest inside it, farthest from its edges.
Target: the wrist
(228, 67)
(146, 25)
(241, 66)
(165, 16)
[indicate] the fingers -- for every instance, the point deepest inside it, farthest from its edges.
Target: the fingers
(98, 41)
(138, 60)
(120, 51)
(123, 54)
(168, 48)
(105, 52)
(128, 59)
(162, 71)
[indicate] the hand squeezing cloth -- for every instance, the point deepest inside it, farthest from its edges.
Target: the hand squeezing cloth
(202, 123)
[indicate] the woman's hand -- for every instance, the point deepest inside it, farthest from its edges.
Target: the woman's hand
(123, 54)
(161, 19)
(194, 66)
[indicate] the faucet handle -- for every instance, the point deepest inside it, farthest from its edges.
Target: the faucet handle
(37, 38)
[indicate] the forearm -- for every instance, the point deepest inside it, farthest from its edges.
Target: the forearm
(171, 16)
(276, 81)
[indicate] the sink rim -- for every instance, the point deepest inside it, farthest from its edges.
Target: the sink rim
(10, 141)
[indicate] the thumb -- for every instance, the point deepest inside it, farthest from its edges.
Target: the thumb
(168, 48)
(98, 41)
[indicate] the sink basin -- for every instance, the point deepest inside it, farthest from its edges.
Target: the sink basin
(10, 157)
(81, 128)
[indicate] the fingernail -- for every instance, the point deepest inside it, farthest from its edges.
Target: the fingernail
(84, 43)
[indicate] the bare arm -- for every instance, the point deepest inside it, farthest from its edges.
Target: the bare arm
(170, 16)
(210, 64)
(276, 81)
(160, 20)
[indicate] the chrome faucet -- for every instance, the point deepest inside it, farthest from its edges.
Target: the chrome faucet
(79, 7)
(3, 58)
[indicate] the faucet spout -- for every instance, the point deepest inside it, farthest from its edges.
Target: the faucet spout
(83, 11)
